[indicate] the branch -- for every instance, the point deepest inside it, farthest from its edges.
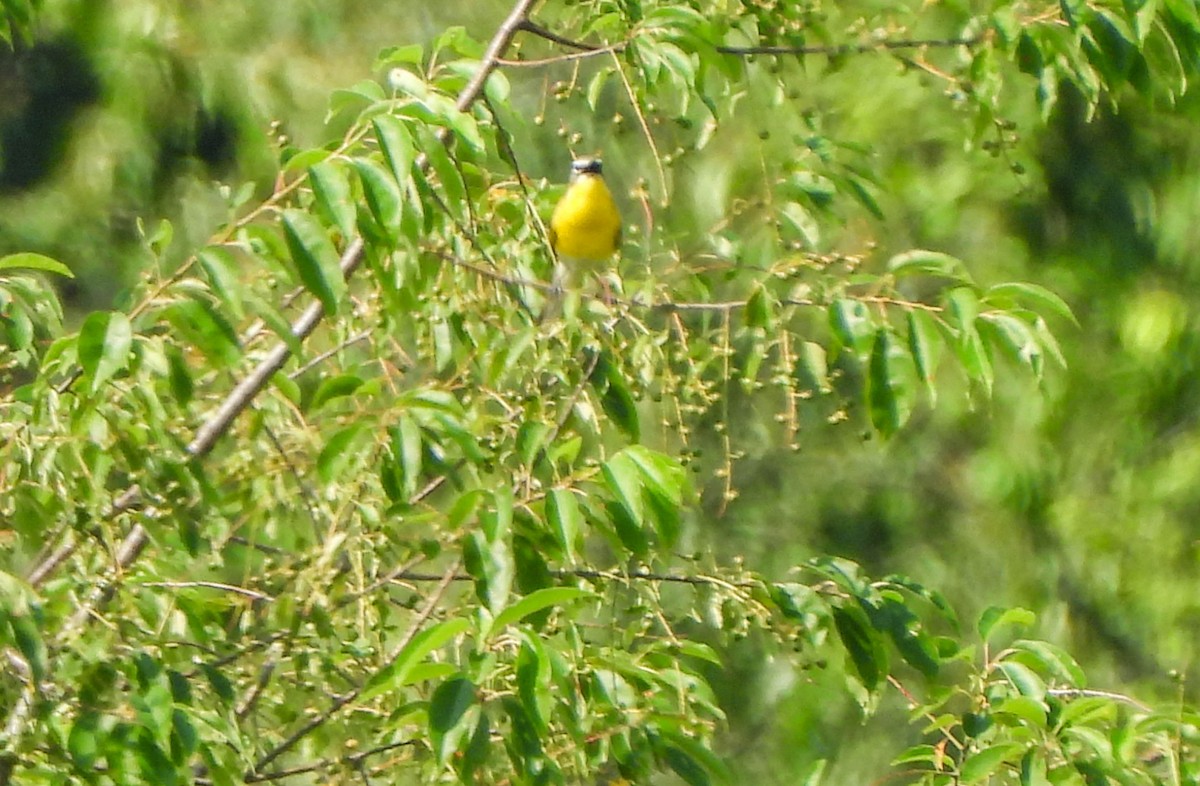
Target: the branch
(830, 50)
(669, 306)
(249, 593)
(833, 50)
(325, 764)
(529, 26)
(595, 573)
(321, 358)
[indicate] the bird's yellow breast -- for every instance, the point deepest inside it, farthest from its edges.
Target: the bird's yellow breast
(586, 224)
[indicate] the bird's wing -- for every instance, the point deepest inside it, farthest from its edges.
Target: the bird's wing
(553, 237)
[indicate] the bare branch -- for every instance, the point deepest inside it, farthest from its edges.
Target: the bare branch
(585, 50)
(529, 26)
(321, 358)
(833, 50)
(249, 593)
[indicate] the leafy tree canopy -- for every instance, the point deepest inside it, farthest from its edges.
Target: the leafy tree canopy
(328, 498)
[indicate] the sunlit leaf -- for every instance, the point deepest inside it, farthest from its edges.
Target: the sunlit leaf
(104, 343)
(30, 261)
(315, 258)
(984, 764)
(535, 602)
(396, 674)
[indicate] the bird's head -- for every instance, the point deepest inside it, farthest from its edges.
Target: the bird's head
(586, 166)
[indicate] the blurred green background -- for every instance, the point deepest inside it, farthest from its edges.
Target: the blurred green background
(1083, 505)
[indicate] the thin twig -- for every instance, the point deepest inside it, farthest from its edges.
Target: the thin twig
(324, 764)
(641, 116)
(586, 50)
(564, 58)
(321, 358)
(530, 26)
(249, 593)
(594, 573)
(264, 679)
(850, 49)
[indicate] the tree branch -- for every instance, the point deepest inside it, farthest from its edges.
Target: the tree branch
(585, 50)
(832, 50)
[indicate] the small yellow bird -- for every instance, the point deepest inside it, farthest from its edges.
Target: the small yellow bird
(585, 227)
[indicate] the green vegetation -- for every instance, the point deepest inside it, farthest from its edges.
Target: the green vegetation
(873, 464)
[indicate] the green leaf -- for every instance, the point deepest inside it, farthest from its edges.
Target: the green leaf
(1031, 296)
(692, 760)
(490, 564)
(962, 309)
(995, 618)
(205, 329)
(396, 140)
(184, 739)
(28, 639)
(383, 196)
(1023, 679)
(104, 343)
(905, 630)
(863, 645)
(476, 752)
(1053, 659)
(223, 276)
(985, 763)
(758, 310)
(219, 682)
(851, 323)
(930, 263)
(926, 345)
(1016, 339)
(334, 387)
(630, 533)
(1024, 709)
(624, 480)
(664, 476)
(535, 602)
(615, 398)
(1033, 769)
(445, 169)
(331, 187)
(30, 261)
(394, 55)
(315, 258)
(534, 681)
(338, 452)
(450, 701)
(407, 446)
(685, 766)
(891, 387)
(562, 509)
(926, 754)
(812, 370)
(85, 740)
(395, 674)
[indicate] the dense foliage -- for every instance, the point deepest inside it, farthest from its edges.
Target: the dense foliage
(329, 499)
